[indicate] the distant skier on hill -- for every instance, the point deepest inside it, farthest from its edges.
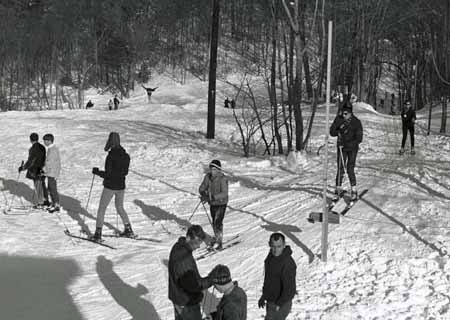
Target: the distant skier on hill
(89, 104)
(149, 92)
(214, 190)
(116, 168)
(349, 131)
(34, 165)
(116, 102)
(408, 121)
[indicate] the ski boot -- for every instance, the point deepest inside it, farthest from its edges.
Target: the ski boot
(97, 237)
(338, 193)
(127, 232)
(218, 245)
(413, 152)
(402, 151)
(53, 208)
(354, 194)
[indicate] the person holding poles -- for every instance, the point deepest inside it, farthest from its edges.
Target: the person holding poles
(214, 190)
(116, 168)
(349, 132)
(408, 121)
(34, 165)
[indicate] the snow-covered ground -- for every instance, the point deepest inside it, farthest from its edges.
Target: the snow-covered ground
(387, 259)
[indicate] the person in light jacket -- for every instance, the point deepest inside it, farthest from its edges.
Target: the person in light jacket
(51, 170)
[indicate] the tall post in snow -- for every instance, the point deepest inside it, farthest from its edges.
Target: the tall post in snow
(211, 126)
(325, 169)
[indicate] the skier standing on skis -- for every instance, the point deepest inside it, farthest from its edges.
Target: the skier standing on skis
(116, 168)
(51, 170)
(348, 128)
(408, 121)
(149, 92)
(185, 283)
(214, 190)
(233, 305)
(34, 165)
(279, 286)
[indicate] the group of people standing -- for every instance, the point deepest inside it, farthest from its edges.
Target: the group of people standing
(114, 103)
(43, 164)
(186, 285)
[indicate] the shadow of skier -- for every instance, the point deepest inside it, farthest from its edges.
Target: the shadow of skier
(128, 297)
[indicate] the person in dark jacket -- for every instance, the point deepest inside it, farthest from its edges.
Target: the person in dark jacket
(116, 168)
(116, 102)
(408, 121)
(89, 104)
(233, 305)
(34, 165)
(349, 132)
(279, 279)
(149, 92)
(214, 190)
(185, 283)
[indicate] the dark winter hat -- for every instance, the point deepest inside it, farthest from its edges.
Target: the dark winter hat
(34, 137)
(113, 141)
(215, 164)
(49, 136)
(220, 275)
(347, 106)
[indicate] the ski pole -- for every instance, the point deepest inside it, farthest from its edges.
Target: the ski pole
(87, 203)
(344, 165)
(209, 219)
(15, 191)
(195, 209)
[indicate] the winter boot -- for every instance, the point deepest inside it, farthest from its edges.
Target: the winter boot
(97, 235)
(54, 208)
(219, 241)
(338, 193)
(127, 232)
(402, 151)
(354, 194)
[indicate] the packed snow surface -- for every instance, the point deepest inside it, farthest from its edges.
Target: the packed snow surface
(387, 259)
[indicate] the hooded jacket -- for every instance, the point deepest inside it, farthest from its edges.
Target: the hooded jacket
(279, 277)
(116, 168)
(35, 161)
(185, 284)
(215, 188)
(349, 133)
(232, 306)
(52, 162)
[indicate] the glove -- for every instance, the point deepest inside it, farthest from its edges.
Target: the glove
(204, 198)
(261, 302)
(95, 171)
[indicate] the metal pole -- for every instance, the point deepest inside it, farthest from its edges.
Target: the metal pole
(325, 169)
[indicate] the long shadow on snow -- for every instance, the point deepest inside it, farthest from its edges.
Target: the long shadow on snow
(37, 288)
(128, 297)
(287, 229)
(405, 229)
(414, 180)
(73, 206)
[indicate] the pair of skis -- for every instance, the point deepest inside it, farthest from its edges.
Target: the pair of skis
(101, 242)
(337, 208)
(209, 251)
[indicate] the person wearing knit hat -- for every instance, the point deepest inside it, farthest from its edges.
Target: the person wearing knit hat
(349, 132)
(214, 190)
(116, 168)
(233, 305)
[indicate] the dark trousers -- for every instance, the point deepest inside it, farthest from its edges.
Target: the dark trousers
(217, 214)
(273, 314)
(53, 190)
(349, 157)
(40, 191)
(188, 312)
(405, 129)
